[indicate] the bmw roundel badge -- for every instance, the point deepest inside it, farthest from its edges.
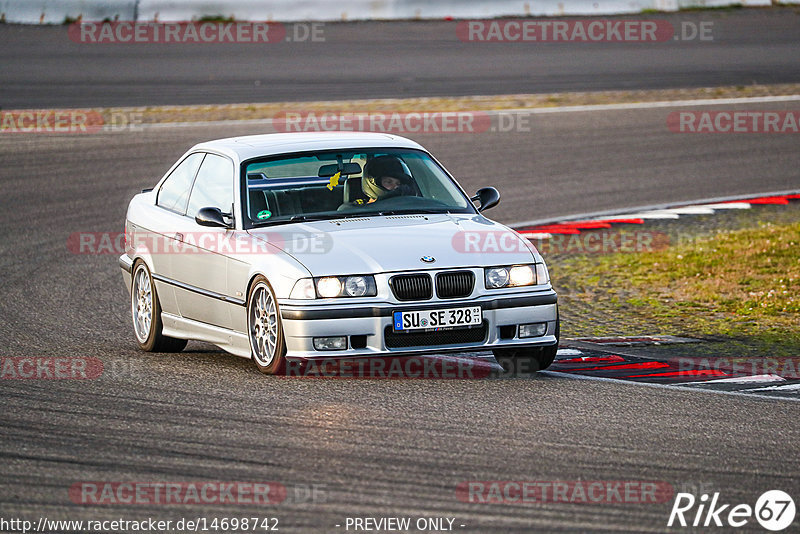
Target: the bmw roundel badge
(428, 259)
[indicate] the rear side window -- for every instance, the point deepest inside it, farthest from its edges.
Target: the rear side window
(174, 192)
(213, 187)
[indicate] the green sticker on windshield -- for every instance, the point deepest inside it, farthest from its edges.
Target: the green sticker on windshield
(264, 214)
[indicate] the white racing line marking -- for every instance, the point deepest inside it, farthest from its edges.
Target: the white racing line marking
(787, 387)
(519, 111)
(559, 374)
(655, 214)
(693, 210)
(649, 105)
(730, 206)
(741, 380)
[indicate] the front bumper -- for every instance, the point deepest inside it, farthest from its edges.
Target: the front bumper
(367, 325)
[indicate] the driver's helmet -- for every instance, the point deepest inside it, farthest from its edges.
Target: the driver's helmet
(380, 167)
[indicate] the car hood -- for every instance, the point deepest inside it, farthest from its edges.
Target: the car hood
(398, 243)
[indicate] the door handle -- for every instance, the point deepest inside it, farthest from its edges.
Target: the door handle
(178, 237)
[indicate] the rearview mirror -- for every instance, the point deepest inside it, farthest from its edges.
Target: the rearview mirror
(489, 197)
(326, 171)
(211, 217)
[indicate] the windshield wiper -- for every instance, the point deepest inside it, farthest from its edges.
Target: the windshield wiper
(413, 211)
(311, 218)
(332, 217)
(307, 218)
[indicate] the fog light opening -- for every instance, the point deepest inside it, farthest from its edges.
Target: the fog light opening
(532, 330)
(508, 331)
(358, 342)
(330, 343)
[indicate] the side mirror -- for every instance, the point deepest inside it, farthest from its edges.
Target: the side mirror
(211, 217)
(489, 197)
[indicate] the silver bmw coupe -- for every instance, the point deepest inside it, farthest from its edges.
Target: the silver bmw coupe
(330, 245)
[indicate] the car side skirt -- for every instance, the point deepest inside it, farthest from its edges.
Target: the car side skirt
(234, 342)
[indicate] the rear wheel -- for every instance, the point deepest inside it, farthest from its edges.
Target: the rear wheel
(264, 328)
(146, 314)
(542, 356)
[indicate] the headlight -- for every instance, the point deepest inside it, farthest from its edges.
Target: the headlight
(496, 278)
(355, 286)
(346, 286)
(329, 287)
(511, 276)
(521, 275)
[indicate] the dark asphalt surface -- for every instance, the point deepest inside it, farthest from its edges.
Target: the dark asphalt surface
(377, 447)
(43, 68)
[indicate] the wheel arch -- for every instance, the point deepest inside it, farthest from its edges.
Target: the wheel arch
(250, 283)
(147, 259)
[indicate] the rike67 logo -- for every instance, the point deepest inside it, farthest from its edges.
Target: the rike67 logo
(774, 510)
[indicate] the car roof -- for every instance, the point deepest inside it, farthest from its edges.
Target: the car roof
(252, 146)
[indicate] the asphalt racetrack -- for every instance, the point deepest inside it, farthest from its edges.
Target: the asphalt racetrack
(43, 68)
(371, 448)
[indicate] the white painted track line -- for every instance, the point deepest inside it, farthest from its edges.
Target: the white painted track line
(693, 210)
(559, 374)
(729, 206)
(742, 380)
(649, 105)
(492, 112)
(656, 214)
(788, 387)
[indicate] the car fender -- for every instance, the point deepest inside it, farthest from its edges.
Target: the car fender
(279, 268)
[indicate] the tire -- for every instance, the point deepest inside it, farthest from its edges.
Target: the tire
(146, 313)
(265, 329)
(543, 357)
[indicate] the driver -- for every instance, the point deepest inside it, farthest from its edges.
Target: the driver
(385, 177)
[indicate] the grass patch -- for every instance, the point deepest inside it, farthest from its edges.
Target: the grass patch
(216, 18)
(741, 284)
(729, 7)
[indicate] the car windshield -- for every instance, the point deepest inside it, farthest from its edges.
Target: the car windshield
(340, 184)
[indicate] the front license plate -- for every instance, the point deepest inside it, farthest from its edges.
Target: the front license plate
(433, 319)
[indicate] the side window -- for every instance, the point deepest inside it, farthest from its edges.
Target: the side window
(174, 192)
(213, 186)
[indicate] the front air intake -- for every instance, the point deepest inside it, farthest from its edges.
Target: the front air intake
(411, 287)
(456, 284)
